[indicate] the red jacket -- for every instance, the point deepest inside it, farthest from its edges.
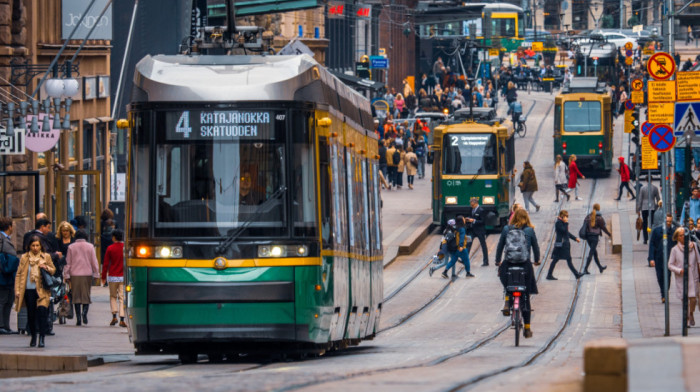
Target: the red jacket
(624, 172)
(114, 260)
(574, 174)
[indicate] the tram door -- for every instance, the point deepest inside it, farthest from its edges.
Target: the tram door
(78, 194)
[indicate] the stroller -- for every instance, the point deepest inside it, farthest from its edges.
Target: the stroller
(63, 297)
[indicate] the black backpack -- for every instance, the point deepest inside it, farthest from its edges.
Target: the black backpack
(516, 249)
(450, 240)
(396, 157)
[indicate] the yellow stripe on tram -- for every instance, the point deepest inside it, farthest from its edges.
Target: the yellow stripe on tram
(236, 263)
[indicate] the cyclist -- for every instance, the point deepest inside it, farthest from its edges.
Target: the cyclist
(516, 111)
(520, 222)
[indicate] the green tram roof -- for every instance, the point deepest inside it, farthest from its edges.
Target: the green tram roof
(584, 85)
(487, 116)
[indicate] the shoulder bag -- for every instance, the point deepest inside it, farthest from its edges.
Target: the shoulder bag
(48, 280)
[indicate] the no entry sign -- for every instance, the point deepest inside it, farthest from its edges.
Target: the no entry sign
(661, 138)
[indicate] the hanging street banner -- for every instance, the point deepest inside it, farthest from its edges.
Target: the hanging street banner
(661, 66)
(686, 120)
(688, 84)
(662, 91)
(660, 113)
(12, 145)
(650, 158)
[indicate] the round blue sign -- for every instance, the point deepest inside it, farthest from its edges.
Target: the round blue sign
(629, 53)
(629, 105)
(661, 138)
(646, 127)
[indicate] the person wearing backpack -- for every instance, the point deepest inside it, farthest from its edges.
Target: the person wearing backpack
(448, 242)
(562, 246)
(594, 227)
(461, 253)
(518, 240)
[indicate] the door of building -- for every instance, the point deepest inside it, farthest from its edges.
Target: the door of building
(78, 194)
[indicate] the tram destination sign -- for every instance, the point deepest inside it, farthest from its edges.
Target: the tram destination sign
(221, 125)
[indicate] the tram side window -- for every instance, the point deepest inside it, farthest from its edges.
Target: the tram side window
(338, 205)
(140, 173)
(350, 195)
(304, 181)
(376, 210)
(365, 207)
(326, 192)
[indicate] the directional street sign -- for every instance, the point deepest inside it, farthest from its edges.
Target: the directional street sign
(646, 127)
(686, 118)
(661, 66)
(661, 138)
(688, 84)
(378, 62)
(637, 85)
(629, 105)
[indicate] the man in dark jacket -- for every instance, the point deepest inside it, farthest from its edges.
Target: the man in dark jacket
(478, 229)
(8, 268)
(656, 251)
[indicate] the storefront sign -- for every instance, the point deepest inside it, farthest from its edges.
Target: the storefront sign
(42, 140)
(72, 11)
(12, 145)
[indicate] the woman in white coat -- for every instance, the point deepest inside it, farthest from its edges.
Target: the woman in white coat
(675, 265)
(561, 178)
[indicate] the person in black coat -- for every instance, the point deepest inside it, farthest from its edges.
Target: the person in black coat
(478, 229)
(656, 251)
(562, 246)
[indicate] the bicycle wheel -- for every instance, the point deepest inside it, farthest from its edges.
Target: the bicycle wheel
(516, 319)
(523, 129)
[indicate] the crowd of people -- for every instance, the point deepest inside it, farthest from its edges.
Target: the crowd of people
(57, 268)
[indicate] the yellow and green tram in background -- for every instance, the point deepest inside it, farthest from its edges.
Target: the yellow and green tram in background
(474, 157)
(253, 208)
(583, 125)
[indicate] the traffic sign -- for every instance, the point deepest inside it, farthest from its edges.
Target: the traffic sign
(662, 91)
(629, 46)
(629, 60)
(650, 158)
(494, 52)
(637, 85)
(661, 138)
(379, 62)
(661, 66)
(646, 127)
(660, 113)
(12, 145)
(686, 118)
(629, 105)
(537, 46)
(629, 53)
(688, 84)
(637, 97)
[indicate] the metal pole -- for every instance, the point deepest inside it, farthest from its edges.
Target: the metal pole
(127, 48)
(664, 179)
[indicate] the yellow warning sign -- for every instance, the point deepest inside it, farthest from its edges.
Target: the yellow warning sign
(662, 91)
(650, 158)
(537, 46)
(661, 113)
(493, 52)
(648, 51)
(637, 97)
(688, 84)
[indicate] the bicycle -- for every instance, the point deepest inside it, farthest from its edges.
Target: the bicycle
(521, 127)
(517, 293)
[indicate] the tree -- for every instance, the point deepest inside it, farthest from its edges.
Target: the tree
(607, 21)
(633, 21)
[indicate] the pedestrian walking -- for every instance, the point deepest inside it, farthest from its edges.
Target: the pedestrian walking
(528, 186)
(693, 206)
(594, 227)
(411, 162)
(461, 253)
(689, 37)
(30, 291)
(401, 166)
(562, 246)
(81, 268)
(561, 178)
(448, 244)
(515, 207)
(658, 218)
(656, 251)
(393, 156)
(421, 152)
(624, 171)
(574, 175)
(477, 228)
(113, 275)
(675, 265)
(8, 269)
(648, 198)
(517, 238)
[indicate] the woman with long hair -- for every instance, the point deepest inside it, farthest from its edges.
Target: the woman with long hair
(462, 254)
(595, 227)
(574, 174)
(560, 179)
(30, 290)
(675, 265)
(562, 246)
(64, 236)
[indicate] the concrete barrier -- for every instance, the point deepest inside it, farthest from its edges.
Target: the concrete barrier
(605, 365)
(411, 243)
(616, 230)
(18, 365)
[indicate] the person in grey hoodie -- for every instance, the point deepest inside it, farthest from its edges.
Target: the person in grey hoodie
(648, 196)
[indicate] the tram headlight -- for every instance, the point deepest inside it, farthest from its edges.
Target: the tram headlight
(272, 251)
(489, 200)
(168, 252)
(144, 252)
(451, 200)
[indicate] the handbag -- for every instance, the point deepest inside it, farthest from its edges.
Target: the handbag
(638, 225)
(48, 280)
(583, 230)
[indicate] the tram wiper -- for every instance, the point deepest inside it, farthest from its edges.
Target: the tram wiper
(233, 234)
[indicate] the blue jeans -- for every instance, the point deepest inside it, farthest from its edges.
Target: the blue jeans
(464, 255)
(421, 166)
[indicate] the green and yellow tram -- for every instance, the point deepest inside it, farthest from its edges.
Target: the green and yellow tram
(583, 125)
(474, 157)
(253, 208)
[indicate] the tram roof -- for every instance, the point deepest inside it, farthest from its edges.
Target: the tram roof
(435, 13)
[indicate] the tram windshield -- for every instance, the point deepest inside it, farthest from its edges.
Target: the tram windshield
(216, 171)
(582, 116)
(472, 153)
